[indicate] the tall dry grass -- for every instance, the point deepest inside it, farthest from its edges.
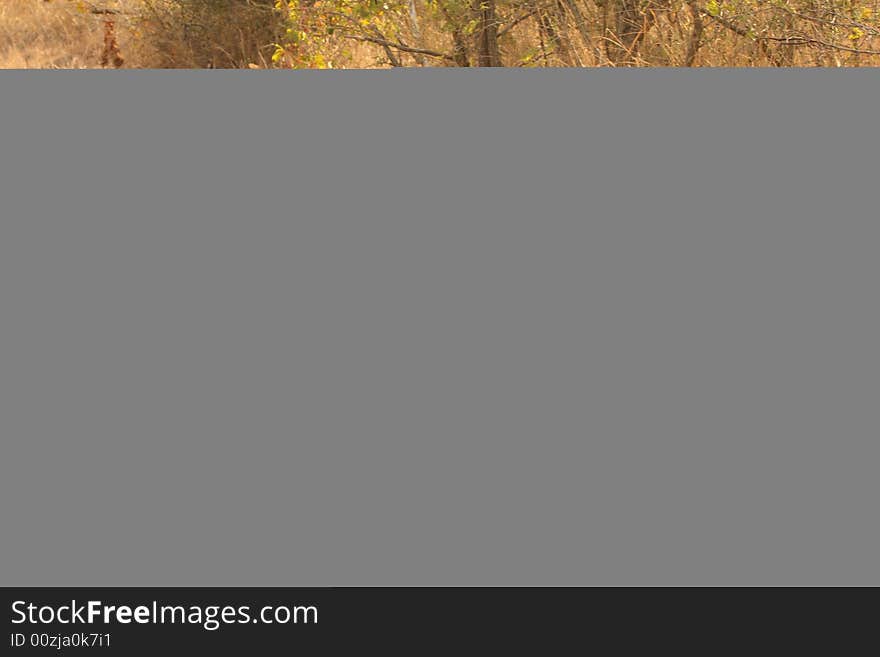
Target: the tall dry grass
(55, 34)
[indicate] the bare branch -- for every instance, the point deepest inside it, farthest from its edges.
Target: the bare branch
(402, 47)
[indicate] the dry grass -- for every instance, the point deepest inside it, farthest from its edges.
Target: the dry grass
(53, 34)
(145, 33)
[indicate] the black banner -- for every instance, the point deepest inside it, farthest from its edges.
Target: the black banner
(110, 621)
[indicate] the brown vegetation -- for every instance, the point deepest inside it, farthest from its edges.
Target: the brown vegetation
(377, 33)
(39, 34)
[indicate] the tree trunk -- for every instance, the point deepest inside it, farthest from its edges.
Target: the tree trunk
(487, 33)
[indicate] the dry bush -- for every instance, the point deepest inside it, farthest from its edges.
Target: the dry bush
(541, 33)
(209, 33)
(715, 33)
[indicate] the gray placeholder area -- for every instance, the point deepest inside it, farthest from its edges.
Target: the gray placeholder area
(435, 328)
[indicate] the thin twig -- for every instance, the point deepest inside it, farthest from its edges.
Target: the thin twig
(788, 40)
(400, 46)
(516, 21)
